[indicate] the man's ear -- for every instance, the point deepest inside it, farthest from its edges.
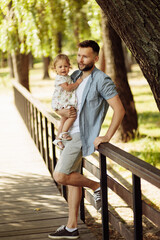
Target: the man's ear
(96, 58)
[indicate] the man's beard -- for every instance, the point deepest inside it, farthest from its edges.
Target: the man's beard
(87, 67)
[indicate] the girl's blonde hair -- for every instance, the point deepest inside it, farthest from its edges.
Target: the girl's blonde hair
(60, 57)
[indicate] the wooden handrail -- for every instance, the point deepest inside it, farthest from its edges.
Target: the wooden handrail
(137, 166)
(41, 125)
(52, 118)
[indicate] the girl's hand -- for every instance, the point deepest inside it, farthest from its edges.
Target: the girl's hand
(67, 113)
(79, 80)
(99, 140)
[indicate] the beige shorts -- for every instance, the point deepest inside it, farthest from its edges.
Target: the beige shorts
(71, 157)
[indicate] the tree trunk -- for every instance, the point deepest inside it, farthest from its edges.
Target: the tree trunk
(31, 63)
(115, 65)
(59, 42)
(10, 65)
(102, 65)
(138, 24)
(46, 62)
(2, 59)
(21, 68)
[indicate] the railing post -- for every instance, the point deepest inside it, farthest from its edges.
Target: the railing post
(37, 128)
(42, 139)
(64, 191)
(27, 110)
(53, 148)
(31, 120)
(47, 145)
(104, 195)
(33, 115)
(82, 209)
(137, 208)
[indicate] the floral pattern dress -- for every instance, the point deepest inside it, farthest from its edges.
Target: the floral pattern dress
(62, 98)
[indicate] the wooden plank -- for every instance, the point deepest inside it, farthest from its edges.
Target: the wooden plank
(34, 216)
(43, 234)
(27, 187)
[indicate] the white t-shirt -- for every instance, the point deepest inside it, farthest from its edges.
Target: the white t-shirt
(79, 94)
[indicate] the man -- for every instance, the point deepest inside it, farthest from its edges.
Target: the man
(95, 94)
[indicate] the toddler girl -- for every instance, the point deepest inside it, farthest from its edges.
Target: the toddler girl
(63, 96)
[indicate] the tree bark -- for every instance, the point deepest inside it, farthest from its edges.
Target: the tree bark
(102, 65)
(115, 65)
(31, 62)
(46, 62)
(138, 24)
(59, 42)
(10, 64)
(21, 68)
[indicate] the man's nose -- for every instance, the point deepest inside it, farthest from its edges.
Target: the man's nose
(81, 60)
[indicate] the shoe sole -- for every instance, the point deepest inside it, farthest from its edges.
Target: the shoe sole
(62, 237)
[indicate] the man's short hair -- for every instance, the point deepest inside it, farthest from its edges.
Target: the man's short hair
(90, 43)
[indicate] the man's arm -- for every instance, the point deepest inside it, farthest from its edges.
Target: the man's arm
(67, 113)
(118, 114)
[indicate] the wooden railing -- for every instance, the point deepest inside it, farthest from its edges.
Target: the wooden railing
(42, 124)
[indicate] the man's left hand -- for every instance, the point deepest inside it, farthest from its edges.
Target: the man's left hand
(100, 140)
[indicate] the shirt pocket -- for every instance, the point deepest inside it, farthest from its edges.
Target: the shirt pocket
(93, 98)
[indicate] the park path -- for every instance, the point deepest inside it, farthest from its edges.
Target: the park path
(30, 204)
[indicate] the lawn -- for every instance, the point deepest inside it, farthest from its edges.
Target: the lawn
(145, 145)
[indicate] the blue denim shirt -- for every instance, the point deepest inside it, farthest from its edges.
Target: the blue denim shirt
(99, 88)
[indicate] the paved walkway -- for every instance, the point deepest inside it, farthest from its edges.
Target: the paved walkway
(30, 204)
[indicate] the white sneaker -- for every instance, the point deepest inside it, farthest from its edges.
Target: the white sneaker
(97, 199)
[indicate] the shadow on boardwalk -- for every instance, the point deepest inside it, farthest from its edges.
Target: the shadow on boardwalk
(30, 204)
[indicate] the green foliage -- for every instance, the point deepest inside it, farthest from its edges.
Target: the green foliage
(34, 25)
(26, 26)
(150, 151)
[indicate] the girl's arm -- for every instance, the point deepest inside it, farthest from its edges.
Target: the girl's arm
(72, 86)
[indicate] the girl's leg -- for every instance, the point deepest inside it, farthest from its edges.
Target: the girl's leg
(67, 124)
(60, 129)
(58, 142)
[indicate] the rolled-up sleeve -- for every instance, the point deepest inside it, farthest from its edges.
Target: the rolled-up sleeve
(106, 87)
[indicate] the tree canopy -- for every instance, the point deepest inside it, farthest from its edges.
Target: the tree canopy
(34, 25)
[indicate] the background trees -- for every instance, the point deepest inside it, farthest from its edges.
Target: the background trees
(115, 67)
(43, 28)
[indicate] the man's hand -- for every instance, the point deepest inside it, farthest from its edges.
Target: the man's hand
(67, 113)
(100, 140)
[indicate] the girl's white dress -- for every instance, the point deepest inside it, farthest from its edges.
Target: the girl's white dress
(62, 98)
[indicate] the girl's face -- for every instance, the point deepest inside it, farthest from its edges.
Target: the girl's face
(62, 67)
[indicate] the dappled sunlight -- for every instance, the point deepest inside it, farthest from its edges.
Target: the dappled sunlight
(28, 199)
(30, 203)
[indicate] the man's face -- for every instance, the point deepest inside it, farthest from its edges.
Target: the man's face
(86, 58)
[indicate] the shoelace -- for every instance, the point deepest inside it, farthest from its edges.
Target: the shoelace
(60, 228)
(97, 196)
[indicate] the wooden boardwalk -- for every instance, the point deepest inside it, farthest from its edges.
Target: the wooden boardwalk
(30, 204)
